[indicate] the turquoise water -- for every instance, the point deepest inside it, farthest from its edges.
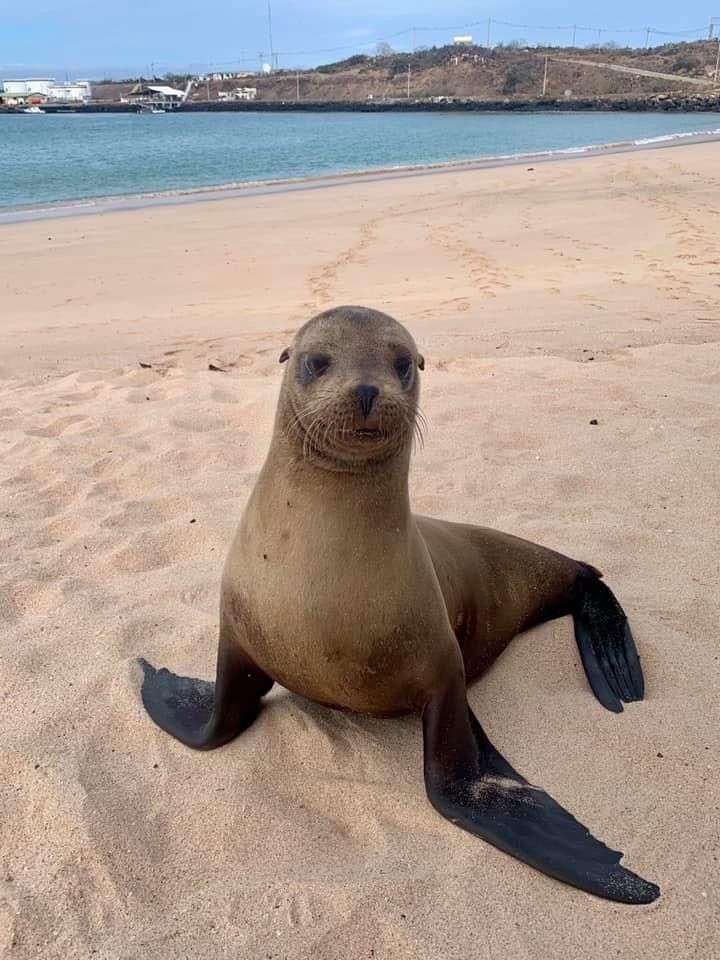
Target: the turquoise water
(48, 158)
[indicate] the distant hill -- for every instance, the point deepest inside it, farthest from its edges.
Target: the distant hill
(504, 72)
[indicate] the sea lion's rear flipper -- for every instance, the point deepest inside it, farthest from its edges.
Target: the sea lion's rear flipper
(201, 714)
(471, 784)
(606, 645)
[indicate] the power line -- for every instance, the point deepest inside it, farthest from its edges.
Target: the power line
(487, 22)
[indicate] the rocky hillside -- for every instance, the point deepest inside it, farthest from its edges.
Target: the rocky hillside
(489, 74)
(503, 72)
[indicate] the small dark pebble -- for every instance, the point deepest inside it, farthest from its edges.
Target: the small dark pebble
(264, 556)
(590, 358)
(145, 366)
(530, 168)
(37, 766)
(147, 398)
(660, 755)
(193, 520)
(593, 422)
(213, 366)
(155, 766)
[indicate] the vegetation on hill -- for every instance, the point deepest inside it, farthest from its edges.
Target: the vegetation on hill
(508, 71)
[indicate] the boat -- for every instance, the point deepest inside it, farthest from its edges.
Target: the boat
(33, 110)
(149, 108)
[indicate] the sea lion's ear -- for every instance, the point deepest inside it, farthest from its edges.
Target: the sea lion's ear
(421, 362)
(285, 355)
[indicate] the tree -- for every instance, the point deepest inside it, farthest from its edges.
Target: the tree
(383, 49)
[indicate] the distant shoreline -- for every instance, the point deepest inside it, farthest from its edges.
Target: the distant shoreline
(78, 208)
(656, 103)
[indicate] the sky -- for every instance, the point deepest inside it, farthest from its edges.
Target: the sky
(87, 38)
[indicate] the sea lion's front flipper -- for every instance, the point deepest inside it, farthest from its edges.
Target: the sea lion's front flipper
(471, 784)
(201, 714)
(607, 648)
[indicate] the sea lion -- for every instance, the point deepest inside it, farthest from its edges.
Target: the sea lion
(336, 590)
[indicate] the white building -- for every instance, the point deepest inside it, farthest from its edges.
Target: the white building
(22, 88)
(463, 41)
(239, 93)
(155, 93)
(44, 88)
(169, 93)
(77, 91)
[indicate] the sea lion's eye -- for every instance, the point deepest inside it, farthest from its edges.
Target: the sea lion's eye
(312, 366)
(403, 368)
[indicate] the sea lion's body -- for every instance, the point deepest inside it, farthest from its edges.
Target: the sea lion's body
(333, 588)
(411, 578)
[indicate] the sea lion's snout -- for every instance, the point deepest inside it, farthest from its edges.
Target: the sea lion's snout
(366, 395)
(350, 391)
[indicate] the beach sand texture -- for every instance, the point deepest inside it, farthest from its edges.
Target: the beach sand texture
(542, 299)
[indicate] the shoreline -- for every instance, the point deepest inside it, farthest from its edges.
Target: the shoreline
(612, 103)
(63, 209)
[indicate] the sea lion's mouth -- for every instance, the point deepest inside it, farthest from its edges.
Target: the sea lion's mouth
(367, 433)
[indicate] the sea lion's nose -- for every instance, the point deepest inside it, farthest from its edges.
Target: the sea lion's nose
(366, 395)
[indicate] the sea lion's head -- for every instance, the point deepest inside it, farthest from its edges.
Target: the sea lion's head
(351, 388)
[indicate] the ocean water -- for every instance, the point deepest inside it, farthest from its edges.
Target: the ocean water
(50, 158)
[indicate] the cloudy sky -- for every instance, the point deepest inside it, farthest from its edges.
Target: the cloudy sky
(88, 37)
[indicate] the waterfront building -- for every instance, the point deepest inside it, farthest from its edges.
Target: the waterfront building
(43, 89)
(155, 94)
(76, 91)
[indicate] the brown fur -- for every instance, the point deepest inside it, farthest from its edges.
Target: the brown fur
(333, 587)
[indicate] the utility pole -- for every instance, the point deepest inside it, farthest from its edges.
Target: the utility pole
(647, 38)
(152, 70)
(574, 34)
(717, 64)
(207, 82)
(297, 85)
(545, 77)
(270, 33)
(488, 32)
(408, 87)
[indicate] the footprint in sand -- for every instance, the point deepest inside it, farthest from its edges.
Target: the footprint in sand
(32, 598)
(80, 396)
(461, 304)
(171, 545)
(57, 427)
(150, 512)
(200, 422)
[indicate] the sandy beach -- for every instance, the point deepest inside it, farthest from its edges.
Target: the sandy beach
(543, 297)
